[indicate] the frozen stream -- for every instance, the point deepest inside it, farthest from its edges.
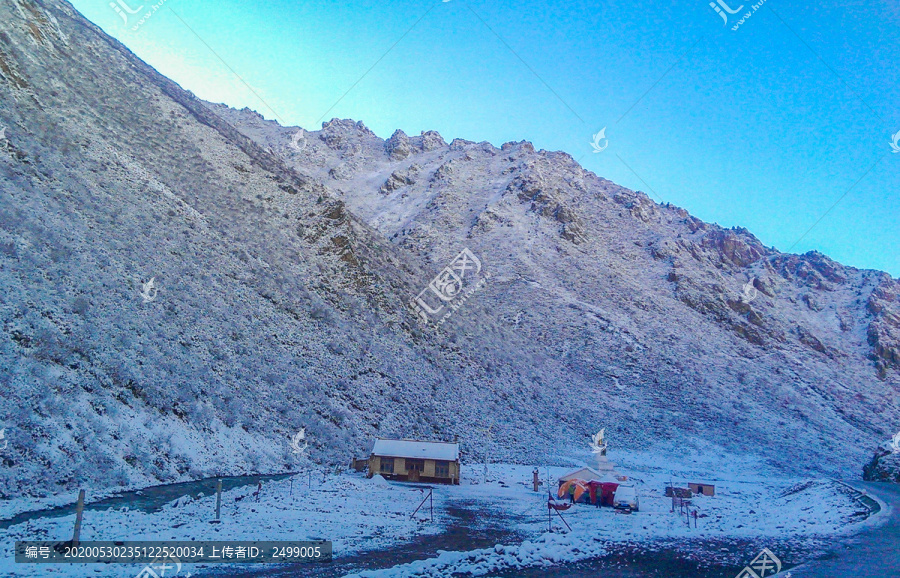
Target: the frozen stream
(147, 499)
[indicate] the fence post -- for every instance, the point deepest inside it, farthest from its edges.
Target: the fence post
(79, 510)
(218, 498)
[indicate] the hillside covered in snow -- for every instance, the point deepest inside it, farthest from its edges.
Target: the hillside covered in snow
(284, 262)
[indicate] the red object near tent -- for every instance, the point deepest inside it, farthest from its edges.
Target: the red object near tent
(558, 506)
(602, 490)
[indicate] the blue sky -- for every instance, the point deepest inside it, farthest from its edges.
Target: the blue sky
(765, 127)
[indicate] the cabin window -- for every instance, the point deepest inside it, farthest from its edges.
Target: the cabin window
(415, 465)
(387, 465)
(442, 469)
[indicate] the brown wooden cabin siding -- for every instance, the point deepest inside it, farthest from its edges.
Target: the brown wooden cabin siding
(428, 474)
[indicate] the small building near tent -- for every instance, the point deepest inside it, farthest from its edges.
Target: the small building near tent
(673, 492)
(415, 461)
(703, 489)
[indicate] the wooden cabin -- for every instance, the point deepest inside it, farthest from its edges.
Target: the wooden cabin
(415, 461)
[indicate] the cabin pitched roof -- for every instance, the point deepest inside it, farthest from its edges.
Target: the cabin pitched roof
(448, 451)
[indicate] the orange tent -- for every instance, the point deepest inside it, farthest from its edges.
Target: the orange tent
(580, 487)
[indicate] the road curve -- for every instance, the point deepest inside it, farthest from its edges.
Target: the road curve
(874, 552)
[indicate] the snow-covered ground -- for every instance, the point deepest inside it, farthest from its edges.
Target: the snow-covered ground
(746, 505)
(360, 514)
(353, 512)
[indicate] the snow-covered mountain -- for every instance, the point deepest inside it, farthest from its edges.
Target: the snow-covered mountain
(284, 261)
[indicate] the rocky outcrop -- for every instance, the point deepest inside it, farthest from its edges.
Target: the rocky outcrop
(736, 247)
(399, 179)
(884, 332)
(531, 189)
(639, 206)
(883, 467)
(812, 269)
(342, 135)
(397, 147)
(432, 140)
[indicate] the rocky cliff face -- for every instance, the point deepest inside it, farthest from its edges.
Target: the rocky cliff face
(884, 465)
(285, 261)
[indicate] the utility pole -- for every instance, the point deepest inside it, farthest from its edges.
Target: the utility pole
(487, 439)
(79, 510)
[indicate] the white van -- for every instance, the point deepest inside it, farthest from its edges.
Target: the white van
(626, 498)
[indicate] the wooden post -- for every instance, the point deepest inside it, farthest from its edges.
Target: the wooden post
(258, 490)
(549, 518)
(79, 510)
(672, 485)
(535, 481)
(292, 488)
(218, 498)
(563, 519)
(422, 503)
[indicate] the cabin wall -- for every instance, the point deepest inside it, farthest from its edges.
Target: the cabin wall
(428, 474)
